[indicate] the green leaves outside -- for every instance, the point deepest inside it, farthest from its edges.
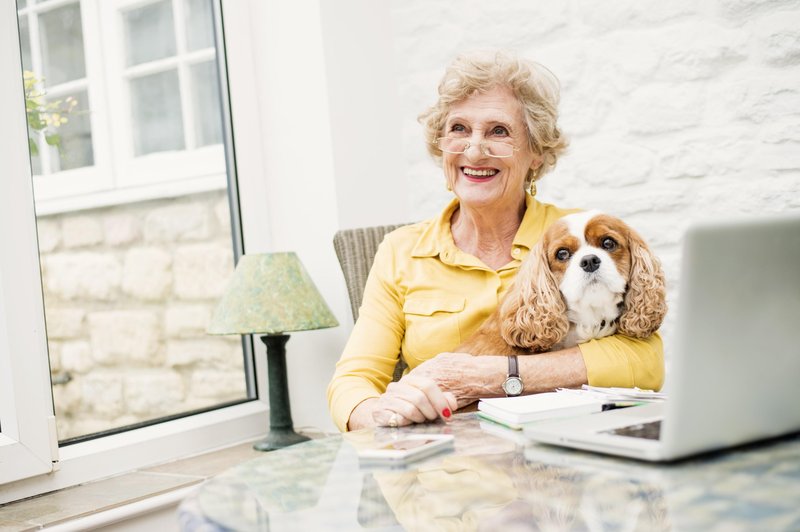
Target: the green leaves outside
(43, 115)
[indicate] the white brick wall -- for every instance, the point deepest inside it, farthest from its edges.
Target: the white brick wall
(676, 110)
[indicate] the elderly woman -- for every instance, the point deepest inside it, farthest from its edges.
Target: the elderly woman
(494, 130)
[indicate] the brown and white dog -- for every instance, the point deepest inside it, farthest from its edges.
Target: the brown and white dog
(589, 276)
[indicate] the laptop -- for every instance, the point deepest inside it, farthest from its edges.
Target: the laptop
(735, 370)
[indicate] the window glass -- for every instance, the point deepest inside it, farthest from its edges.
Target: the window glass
(149, 32)
(74, 147)
(205, 91)
(25, 43)
(36, 164)
(199, 25)
(129, 288)
(62, 45)
(156, 113)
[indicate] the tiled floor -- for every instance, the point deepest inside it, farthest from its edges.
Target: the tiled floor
(79, 501)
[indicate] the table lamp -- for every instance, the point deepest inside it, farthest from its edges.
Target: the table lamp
(271, 294)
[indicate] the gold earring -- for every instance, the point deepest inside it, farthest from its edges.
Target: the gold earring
(449, 187)
(532, 184)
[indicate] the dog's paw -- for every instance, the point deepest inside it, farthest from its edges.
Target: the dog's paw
(597, 330)
(606, 328)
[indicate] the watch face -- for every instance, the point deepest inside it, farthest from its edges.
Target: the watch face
(512, 386)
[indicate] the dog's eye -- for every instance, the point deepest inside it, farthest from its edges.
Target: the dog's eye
(562, 254)
(609, 244)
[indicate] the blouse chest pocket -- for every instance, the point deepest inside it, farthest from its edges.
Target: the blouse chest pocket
(431, 326)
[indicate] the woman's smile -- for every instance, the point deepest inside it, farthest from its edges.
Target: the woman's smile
(478, 174)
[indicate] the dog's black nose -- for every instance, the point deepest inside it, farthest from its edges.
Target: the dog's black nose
(590, 263)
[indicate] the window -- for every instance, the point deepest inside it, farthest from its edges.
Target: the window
(129, 289)
(125, 287)
(155, 63)
(138, 83)
(52, 42)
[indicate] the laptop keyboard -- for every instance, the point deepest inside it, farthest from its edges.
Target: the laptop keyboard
(650, 431)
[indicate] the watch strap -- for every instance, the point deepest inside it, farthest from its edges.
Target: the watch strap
(513, 366)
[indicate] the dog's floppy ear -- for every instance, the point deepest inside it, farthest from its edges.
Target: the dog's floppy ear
(645, 297)
(534, 315)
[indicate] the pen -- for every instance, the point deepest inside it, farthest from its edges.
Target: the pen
(619, 404)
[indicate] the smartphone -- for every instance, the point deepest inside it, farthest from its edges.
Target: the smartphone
(407, 448)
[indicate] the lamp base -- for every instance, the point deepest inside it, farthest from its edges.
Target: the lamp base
(281, 432)
(278, 439)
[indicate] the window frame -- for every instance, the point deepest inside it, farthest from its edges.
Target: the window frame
(25, 389)
(26, 413)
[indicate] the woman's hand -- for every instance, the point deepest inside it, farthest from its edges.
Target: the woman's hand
(467, 377)
(413, 399)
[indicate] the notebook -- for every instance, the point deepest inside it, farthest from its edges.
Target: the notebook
(733, 376)
(515, 411)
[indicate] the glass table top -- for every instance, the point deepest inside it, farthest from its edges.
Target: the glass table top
(492, 480)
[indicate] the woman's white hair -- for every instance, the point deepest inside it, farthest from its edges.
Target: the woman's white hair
(535, 87)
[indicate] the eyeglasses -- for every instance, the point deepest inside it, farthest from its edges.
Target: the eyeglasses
(491, 148)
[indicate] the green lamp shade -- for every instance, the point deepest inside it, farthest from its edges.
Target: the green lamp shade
(270, 293)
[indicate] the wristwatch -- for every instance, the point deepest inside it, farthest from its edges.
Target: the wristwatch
(513, 383)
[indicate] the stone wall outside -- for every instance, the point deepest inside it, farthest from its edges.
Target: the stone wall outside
(129, 290)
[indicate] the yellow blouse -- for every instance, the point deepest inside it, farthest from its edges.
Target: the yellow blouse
(425, 296)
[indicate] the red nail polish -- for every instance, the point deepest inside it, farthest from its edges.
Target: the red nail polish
(446, 412)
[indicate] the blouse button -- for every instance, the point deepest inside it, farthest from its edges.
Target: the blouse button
(516, 252)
